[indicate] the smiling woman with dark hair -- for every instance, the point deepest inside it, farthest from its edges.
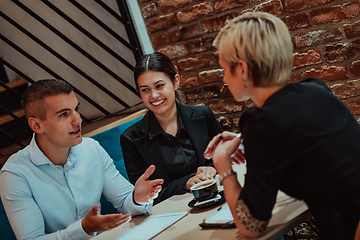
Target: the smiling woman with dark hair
(171, 136)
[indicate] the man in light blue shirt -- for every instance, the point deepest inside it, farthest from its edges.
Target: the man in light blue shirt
(51, 189)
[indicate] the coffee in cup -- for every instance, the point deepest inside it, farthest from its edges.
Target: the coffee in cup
(204, 190)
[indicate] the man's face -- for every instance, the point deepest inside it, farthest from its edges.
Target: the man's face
(62, 126)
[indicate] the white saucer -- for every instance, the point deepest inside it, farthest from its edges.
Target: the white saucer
(219, 198)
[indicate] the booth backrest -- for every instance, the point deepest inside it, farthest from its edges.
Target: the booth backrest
(110, 141)
(6, 232)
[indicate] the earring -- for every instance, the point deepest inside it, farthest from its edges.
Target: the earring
(245, 82)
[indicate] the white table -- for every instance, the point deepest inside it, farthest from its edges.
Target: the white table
(287, 214)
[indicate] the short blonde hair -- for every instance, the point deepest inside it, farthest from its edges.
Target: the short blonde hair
(263, 41)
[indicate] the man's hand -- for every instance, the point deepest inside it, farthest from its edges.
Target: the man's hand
(94, 222)
(147, 190)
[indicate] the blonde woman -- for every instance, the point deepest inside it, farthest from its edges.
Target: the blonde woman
(299, 138)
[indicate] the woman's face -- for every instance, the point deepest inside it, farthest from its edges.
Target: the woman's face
(157, 91)
(234, 80)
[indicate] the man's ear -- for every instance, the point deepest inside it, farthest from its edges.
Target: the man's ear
(35, 124)
(177, 81)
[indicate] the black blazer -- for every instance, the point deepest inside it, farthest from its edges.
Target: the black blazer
(140, 152)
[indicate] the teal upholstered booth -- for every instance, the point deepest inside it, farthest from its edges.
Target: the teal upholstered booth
(110, 141)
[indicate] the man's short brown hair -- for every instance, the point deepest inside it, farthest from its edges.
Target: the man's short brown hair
(33, 98)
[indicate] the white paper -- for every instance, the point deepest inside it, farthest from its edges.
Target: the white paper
(152, 226)
(222, 216)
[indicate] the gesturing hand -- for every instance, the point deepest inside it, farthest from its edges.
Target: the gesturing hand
(95, 222)
(223, 154)
(237, 156)
(147, 190)
(209, 171)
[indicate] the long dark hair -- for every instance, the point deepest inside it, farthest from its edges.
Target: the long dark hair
(160, 63)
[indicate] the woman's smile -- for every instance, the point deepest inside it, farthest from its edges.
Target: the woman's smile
(157, 103)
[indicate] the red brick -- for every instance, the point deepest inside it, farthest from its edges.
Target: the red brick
(199, 45)
(335, 13)
(355, 68)
(185, 33)
(296, 21)
(236, 121)
(191, 31)
(352, 30)
(357, 119)
(223, 5)
(210, 92)
(142, 1)
(189, 47)
(215, 75)
(194, 12)
(311, 57)
(216, 55)
(149, 10)
(189, 81)
(346, 89)
(354, 106)
(159, 40)
(274, 7)
(175, 35)
(326, 73)
(297, 5)
(192, 95)
(169, 5)
(245, 11)
(226, 123)
(193, 63)
(224, 91)
(341, 51)
(175, 51)
(215, 24)
(351, 9)
(161, 23)
(228, 105)
(294, 78)
(318, 37)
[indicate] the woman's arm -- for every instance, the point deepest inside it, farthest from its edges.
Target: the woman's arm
(232, 189)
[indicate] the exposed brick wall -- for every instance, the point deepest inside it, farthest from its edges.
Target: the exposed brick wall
(325, 34)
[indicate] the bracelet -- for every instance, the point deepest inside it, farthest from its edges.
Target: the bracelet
(226, 174)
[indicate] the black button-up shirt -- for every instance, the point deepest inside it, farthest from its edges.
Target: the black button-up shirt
(178, 152)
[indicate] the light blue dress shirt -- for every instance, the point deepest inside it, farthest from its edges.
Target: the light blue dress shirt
(47, 201)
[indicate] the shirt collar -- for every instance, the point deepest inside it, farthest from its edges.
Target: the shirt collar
(155, 127)
(38, 157)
